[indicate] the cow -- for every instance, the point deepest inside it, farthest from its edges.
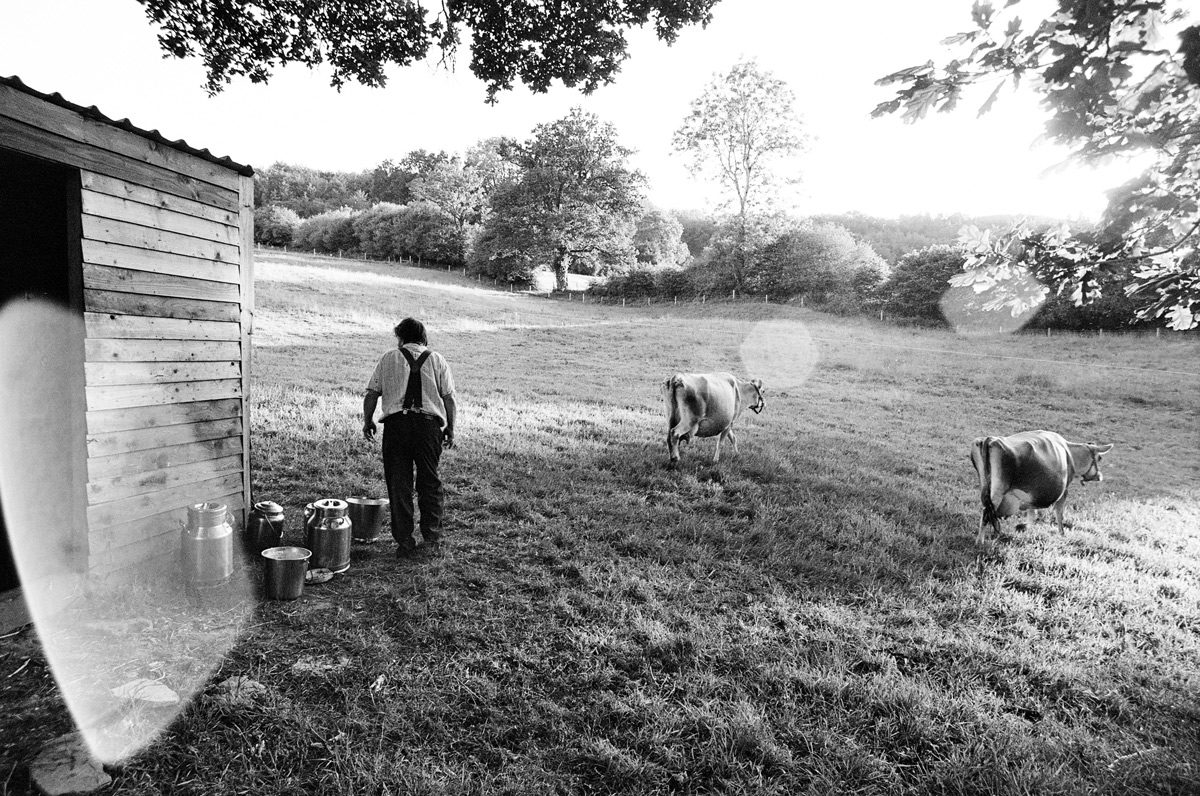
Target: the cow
(1030, 470)
(706, 405)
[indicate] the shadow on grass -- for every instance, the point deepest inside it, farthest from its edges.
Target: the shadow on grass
(839, 522)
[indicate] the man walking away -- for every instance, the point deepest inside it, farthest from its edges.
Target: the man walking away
(418, 421)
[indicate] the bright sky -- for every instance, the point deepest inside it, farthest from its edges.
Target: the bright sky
(105, 53)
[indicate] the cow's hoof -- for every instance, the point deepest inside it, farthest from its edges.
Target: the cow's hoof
(1021, 526)
(673, 464)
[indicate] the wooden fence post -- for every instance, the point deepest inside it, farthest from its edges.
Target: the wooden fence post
(733, 295)
(1158, 331)
(881, 314)
(677, 301)
(622, 301)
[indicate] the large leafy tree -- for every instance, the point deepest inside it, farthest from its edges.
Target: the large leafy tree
(456, 190)
(579, 42)
(1119, 78)
(658, 239)
(391, 180)
(739, 128)
(576, 198)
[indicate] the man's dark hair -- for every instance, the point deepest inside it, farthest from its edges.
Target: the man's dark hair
(410, 330)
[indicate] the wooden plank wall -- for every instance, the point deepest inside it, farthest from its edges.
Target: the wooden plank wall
(166, 257)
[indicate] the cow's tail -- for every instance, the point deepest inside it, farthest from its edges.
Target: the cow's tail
(672, 395)
(982, 459)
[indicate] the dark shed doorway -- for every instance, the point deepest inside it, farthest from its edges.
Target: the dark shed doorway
(39, 259)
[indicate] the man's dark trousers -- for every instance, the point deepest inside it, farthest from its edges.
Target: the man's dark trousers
(413, 439)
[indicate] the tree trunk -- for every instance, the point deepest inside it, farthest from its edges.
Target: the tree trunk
(562, 259)
(740, 258)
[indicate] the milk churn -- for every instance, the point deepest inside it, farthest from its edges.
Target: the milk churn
(329, 534)
(311, 518)
(206, 551)
(264, 527)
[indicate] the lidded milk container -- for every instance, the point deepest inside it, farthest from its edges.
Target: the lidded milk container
(329, 534)
(206, 547)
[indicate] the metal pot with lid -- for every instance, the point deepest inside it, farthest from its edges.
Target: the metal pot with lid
(264, 527)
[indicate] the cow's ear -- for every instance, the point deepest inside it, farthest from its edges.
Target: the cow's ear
(1103, 449)
(757, 383)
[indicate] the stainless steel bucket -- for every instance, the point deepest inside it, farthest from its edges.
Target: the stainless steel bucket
(367, 515)
(285, 569)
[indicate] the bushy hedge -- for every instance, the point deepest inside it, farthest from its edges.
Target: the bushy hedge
(821, 261)
(376, 229)
(919, 281)
(1113, 310)
(275, 225)
(384, 232)
(492, 255)
(424, 232)
(330, 232)
(639, 283)
(780, 257)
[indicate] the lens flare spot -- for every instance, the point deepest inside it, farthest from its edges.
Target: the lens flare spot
(128, 648)
(1003, 308)
(780, 352)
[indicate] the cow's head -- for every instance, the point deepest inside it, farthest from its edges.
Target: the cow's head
(1092, 471)
(760, 403)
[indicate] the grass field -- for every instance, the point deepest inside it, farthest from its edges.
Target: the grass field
(807, 617)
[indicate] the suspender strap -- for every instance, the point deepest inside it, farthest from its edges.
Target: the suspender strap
(412, 395)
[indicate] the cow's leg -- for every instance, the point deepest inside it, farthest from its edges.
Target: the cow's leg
(717, 452)
(732, 439)
(1060, 506)
(681, 432)
(988, 517)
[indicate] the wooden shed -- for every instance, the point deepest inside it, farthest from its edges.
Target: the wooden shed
(150, 242)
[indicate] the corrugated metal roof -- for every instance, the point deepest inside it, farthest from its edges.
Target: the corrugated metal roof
(92, 112)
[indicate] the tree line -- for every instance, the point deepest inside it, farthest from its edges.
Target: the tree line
(566, 199)
(1110, 74)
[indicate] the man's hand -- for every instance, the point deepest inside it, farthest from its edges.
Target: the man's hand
(370, 401)
(448, 438)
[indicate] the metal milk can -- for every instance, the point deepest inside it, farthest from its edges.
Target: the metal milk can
(329, 535)
(264, 527)
(310, 519)
(206, 548)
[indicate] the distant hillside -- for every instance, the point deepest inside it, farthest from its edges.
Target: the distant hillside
(894, 237)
